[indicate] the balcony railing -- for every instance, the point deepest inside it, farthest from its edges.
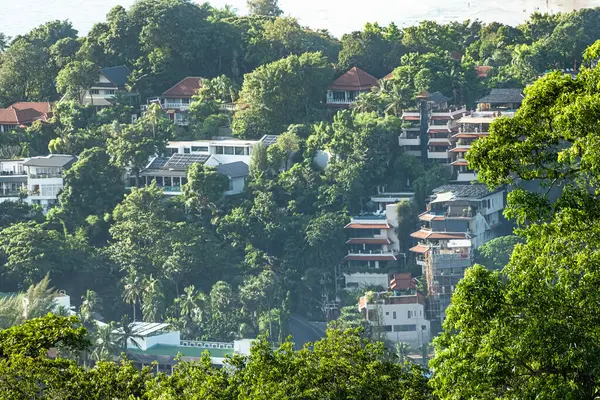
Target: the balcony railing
(180, 106)
(171, 189)
(12, 173)
(367, 252)
(228, 107)
(339, 101)
(44, 176)
(9, 193)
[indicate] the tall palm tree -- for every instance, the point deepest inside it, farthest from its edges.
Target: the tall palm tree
(132, 289)
(104, 347)
(402, 350)
(126, 333)
(89, 305)
(152, 300)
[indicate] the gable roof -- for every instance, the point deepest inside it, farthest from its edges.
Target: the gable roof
(117, 75)
(25, 113)
(187, 87)
(354, 79)
(236, 169)
(503, 96)
(52, 160)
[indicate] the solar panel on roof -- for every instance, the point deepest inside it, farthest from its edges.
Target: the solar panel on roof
(158, 163)
(182, 161)
(269, 140)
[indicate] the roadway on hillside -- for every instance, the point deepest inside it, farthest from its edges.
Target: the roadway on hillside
(304, 331)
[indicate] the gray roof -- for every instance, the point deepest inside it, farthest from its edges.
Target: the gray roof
(437, 97)
(117, 75)
(53, 160)
(268, 140)
(476, 190)
(234, 170)
(503, 96)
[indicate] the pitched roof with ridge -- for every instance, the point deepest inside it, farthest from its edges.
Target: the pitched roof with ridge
(497, 96)
(25, 113)
(354, 79)
(118, 75)
(187, 87)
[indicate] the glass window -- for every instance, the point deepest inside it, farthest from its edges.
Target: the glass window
(230, 184)
(94, 91)
(186, 150)
(200, 148)
(394, 315)
(423, 327)
(229, 150)
(239, 151)
(219, 150)
(409, 314)
(109, 91)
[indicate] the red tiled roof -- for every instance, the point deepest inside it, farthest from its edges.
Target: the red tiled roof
(369, 241)
(482, 70)
(370, 257)
(423, 234)
(25, 113)
(441, 118)
(419, 249)
(430, 217)
(355, 79)
(470, 135)
(460, 163)
(444, 130)
(367, 226)
(187, 87)
(459, 150)
(402, 281)
(439, 144)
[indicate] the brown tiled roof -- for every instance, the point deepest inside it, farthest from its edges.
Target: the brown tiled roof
(354, 79)
(419, 249)
(402, 281)
(369, 241)
(187, 87)
(440, 130)
(460, 163)
(482, 70)
(25, 113)
(424, 234)
(430, 217)
(367, 226)
(459, 150)
(370, 257)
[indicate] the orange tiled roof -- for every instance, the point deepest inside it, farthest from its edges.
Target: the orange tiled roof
(187, 87)
(354, 79)
(460, 163)
(423, 234)
(419, 249)
(459, 150)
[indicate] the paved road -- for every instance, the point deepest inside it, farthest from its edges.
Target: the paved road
(304, 331)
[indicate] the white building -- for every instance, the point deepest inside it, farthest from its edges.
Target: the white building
(13, 179)
(44, 178)
(110, 81)
(399, 312)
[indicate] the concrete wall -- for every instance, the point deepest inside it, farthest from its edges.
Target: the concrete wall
(168, 338)
(367, 279)
(396, 315)
(238, 185)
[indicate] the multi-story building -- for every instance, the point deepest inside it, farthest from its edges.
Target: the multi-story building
(110, 81)
(346, 89)
(499, 103)
(458, 219)
(13, 180)
(231, 157)
(398, 312)
(427, 131)
(23, 114)
(373, 249)
(44, 178)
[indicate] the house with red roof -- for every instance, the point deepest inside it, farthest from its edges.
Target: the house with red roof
(346, 89)
(23, 114)
(176, 100)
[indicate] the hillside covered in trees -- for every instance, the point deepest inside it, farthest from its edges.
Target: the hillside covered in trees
(223, 268)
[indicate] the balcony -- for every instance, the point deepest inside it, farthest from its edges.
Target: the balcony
(405, 141)
(466, 177)
(9, 193)
(176, 106)
(346, 102)
(437, 155)
(228, 107)
(44, 176)
(12, 173)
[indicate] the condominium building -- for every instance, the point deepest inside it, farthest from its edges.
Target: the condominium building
(399, 312)
(499, 103)
(13, 180)
(458, 219)
(427, 130)
(45, 179)
(346, 89)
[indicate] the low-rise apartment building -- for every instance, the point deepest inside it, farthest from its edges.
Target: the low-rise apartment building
(499, 103)
(13, 180)
(398, 312)
(458, 219)
(427, 131)
(45, 179)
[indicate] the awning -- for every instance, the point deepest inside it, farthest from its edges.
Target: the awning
(419, 249)
(369, 241)
(443, 197)
(354, 225)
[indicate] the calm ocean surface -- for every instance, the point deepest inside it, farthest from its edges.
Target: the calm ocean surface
(339, 16)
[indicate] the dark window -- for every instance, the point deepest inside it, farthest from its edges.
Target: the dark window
(94, 91)
(199, 148)
(186, 150)
(239, 151)
(229, 150)
(219, 150)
